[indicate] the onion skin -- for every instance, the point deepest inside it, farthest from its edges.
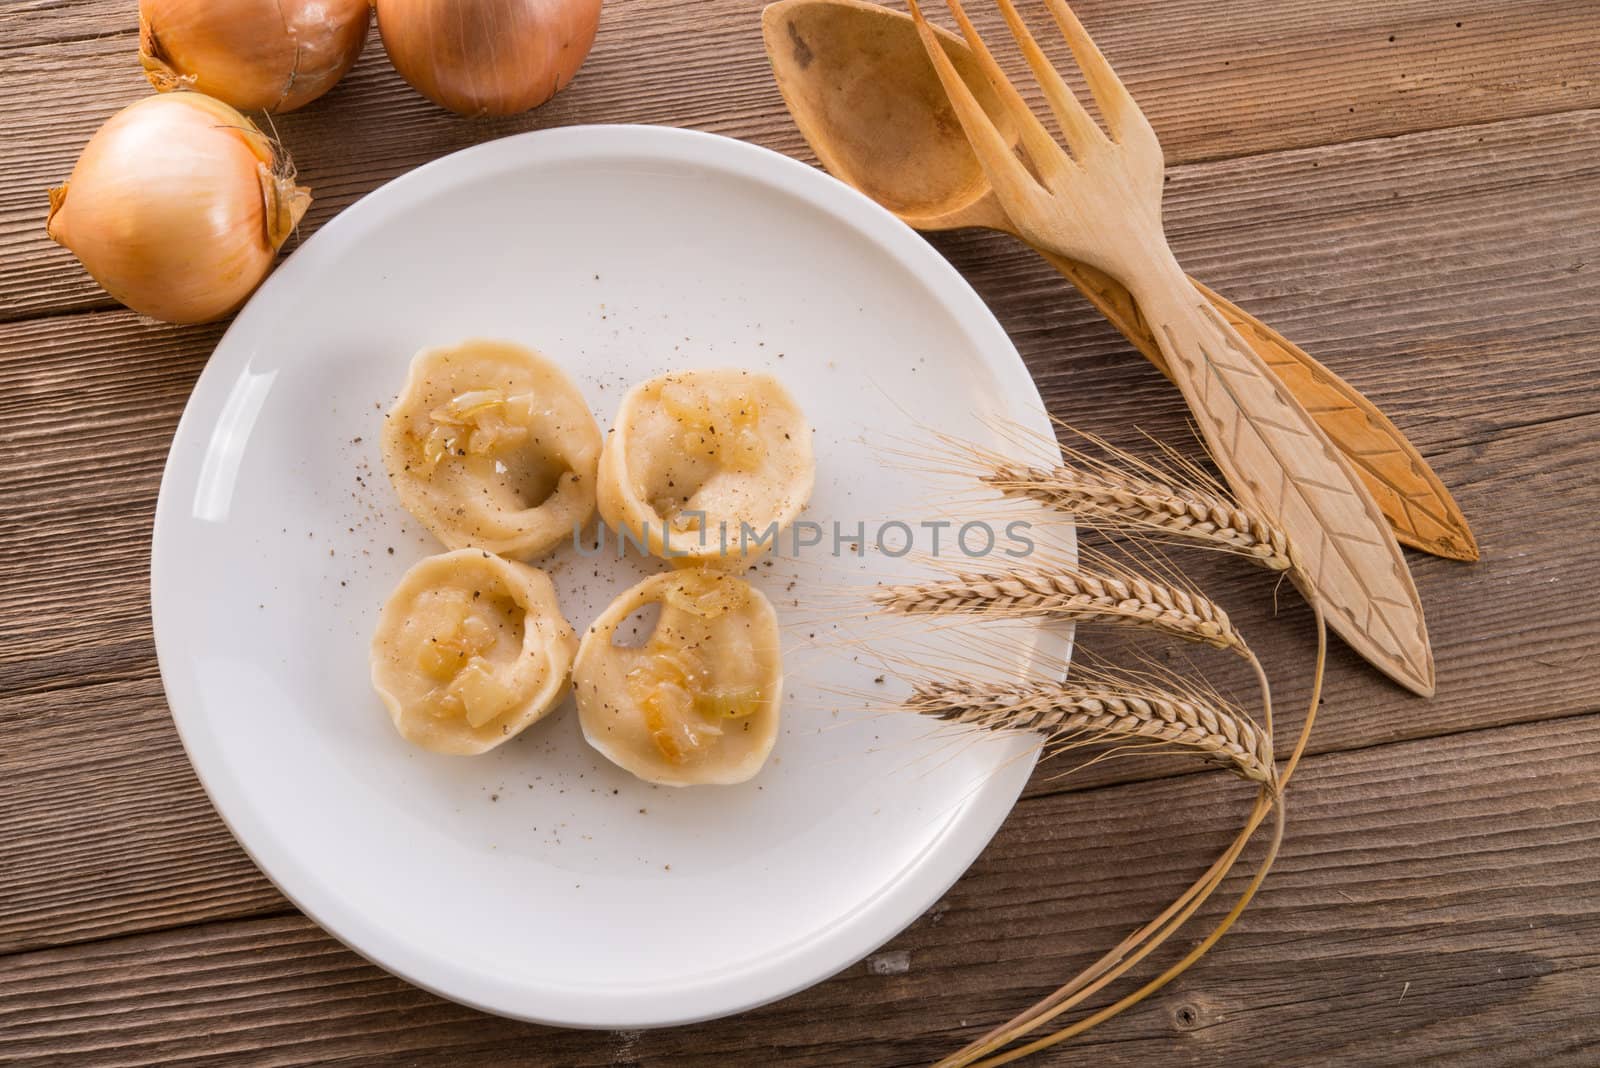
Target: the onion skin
(177, 207)
(487, 57)
(257, 55)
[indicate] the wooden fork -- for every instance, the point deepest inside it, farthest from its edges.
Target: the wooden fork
(1102, 204)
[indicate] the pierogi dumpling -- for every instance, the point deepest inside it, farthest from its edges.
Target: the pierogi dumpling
(491, 446)
(730, 444)
(697, 703)
(470, 650)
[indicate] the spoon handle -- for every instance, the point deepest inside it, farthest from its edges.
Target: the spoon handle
(1411, 497)
(1280, 463)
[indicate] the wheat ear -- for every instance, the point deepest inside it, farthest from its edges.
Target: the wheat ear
(1095, 713)
(1077, 594)
(1194, 507)
(1122, 499)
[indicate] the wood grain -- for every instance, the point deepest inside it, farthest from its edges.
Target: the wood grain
(1218, 81)
(105, 828)
(85, 434)
(1434, 901)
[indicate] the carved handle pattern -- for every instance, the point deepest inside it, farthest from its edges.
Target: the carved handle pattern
(1281, 463)
(1412, 498)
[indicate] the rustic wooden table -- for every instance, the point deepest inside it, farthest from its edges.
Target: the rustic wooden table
(1409, 188)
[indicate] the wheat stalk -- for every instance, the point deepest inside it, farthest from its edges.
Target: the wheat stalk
(1122, 499)
(1070, 593)
(1103, 713)
(1177, 500)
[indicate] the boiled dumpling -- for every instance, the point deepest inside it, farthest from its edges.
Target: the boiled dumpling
(729, 444)
(470, 650)
(491, 446)
(697, 702)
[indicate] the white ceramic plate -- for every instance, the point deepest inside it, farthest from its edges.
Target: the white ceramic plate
(539, 881)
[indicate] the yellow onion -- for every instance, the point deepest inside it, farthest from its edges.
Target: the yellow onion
(487, 57)
(177, 207)
(265, 55)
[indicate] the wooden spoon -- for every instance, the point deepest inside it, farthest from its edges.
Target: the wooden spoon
(861, 89)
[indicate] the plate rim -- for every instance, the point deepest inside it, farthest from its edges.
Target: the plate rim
(859, 930)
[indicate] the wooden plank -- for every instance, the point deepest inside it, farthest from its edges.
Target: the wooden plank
(1435, 901)
(85, 437)
(1218, 81)
(113, 834)
(105, 828)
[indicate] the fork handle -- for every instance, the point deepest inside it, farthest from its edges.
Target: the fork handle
(1412, 497)
(1283, 465)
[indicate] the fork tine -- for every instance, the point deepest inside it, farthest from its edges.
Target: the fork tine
(1010, 178)
(1121, 112)
(1077, 125)
(1041, 146)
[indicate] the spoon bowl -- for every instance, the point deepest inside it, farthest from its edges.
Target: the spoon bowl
(863, 93)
